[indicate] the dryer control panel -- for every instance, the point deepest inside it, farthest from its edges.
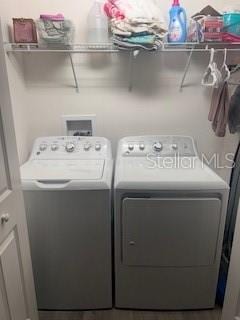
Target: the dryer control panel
(71, 148)
(162, 146)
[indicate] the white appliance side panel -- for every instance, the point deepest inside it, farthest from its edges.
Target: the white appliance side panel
(170, 232)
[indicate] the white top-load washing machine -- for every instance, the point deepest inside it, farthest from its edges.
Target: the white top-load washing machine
(67, 189)
(169, 222)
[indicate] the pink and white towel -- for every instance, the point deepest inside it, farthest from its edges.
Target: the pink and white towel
(135, 16)
(134, 10)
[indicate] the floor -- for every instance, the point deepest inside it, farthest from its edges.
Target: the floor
(131, 315)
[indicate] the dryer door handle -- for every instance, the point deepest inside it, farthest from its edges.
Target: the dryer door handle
(52, 184)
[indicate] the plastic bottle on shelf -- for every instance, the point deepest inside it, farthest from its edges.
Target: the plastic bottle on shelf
(97, 24)
(178, 24)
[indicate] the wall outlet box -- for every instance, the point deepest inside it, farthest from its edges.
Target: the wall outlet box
(79, 125)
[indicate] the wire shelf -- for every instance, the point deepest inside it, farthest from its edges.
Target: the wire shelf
(72, 48)
(89, 48)
(110, 48)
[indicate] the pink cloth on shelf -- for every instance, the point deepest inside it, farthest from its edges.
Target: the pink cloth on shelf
(137, 11)
(52, 17)
(113, 12)
(118, 9)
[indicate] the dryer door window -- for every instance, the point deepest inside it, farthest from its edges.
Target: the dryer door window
(170, 232)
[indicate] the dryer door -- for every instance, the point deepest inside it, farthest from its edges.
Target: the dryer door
(170, 232)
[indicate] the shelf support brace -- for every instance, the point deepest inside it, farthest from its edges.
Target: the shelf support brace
(186, 70)
(74, 73)
(133, 55)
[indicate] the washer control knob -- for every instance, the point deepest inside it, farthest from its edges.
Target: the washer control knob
(70, 147)
(54, 147)
(87, 146)
(142, 146)
(174, 146)
(98, 147)
(43, 147)
(157, 146)
(130, 147)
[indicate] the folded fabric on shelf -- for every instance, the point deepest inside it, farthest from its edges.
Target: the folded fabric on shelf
(52, 17)
(148, 43)
(132, 21)
(128, 28)
(149, 40)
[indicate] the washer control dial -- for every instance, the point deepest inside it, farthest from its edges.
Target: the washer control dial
(43, 147)
(70, 147)
(174, 146)
(54, 147)
(130, 147)
(157, 146)
(87, 146)
(142, 146)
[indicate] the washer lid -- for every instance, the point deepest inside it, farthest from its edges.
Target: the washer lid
(55, 170)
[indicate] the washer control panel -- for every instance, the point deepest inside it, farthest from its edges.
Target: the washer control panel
(162, 146)
(71, 148)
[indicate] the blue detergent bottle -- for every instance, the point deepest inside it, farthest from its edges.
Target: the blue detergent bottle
(178, 24)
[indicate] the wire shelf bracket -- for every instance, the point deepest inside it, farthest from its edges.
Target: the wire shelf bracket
(74, 73)
(186, 69)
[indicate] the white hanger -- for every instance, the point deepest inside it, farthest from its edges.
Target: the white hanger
(212, 76)
(226, 74)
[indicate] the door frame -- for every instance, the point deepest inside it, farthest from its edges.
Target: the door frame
(231, 307)
(20, 221)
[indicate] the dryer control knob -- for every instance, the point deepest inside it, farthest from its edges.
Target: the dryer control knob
(70, 147)
(142, 146)
(157, 146)
(174, 146)
(42, 147)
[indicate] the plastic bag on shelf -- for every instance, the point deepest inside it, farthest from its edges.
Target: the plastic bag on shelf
(55, 32)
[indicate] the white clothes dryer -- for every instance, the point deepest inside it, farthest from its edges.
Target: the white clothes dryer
(67, 190)
(169, 221)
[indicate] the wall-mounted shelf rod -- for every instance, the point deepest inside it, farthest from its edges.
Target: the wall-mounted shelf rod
(234, 83)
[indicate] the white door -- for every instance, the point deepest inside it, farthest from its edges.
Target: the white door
(17, 293)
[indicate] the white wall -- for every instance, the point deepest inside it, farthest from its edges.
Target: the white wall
(154, 107)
